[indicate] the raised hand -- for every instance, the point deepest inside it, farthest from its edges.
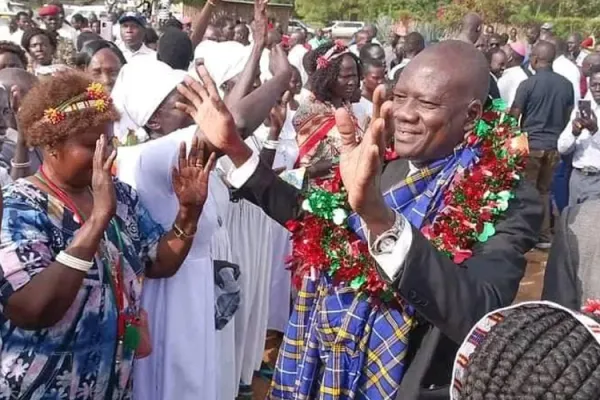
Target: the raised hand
(361, 163)
(103, 188)
(278, 114)
(260, 24)
(207, 109)
(190, 180)
(278, 61)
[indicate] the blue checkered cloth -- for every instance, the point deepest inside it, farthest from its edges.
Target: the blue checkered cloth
(340, 344)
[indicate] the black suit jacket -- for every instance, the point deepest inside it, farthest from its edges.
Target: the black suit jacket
(448, 299)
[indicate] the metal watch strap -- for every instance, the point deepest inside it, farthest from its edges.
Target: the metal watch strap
(392, 233)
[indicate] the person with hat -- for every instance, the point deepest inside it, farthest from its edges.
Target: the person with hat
(133, 28)
(52, 16)
(514, 73)
(65, 35)
(546, 31)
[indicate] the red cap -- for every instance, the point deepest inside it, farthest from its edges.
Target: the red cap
(48, 10)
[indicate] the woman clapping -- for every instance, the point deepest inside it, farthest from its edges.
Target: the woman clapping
(75, 246)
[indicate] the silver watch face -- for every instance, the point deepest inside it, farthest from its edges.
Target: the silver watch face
(386, 244)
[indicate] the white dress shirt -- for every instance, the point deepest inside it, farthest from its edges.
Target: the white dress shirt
(567, 68)
(144, 51)
(586, 146)
(390, 263)
(509, 83)
(295, 57)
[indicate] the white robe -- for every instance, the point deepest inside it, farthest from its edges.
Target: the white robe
(180, 308)
(252, 244)
(280, 286)
(220, 248)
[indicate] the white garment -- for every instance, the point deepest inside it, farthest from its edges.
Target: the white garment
(144, 52)
(223, 61)
(582, 55)
(17, 37)
(586, 146)
(281, 278)
(116, 33)
(509, 83)
(354, 48)
(251, 236)
(180, 308)
(402, 64)
(265, 72)
(295, 57)
(363, 111)
(5, 178)
(220, 249)
(390, 263)
(565, 67)
(141, 86)
(68, 32)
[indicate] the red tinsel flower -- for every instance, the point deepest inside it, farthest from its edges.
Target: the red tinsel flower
(320, 245)
(340, 45)
(592, 306)
(322, 62)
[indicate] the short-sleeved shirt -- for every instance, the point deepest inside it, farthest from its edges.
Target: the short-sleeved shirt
(75, 358)
(545, 100)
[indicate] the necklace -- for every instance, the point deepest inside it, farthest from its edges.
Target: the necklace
(128, 322)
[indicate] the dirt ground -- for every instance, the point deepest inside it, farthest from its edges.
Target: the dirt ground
(531, 289)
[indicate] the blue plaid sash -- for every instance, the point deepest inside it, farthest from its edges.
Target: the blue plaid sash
(340, 344)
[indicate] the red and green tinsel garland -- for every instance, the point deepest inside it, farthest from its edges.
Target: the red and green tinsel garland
(474, 201)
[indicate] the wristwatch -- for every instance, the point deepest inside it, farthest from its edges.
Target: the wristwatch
(385, 243)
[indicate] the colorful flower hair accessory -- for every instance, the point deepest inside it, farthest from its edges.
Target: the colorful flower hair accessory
(336, 51)
(95, 97)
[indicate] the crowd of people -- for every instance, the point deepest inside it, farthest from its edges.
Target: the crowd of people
(172, 195)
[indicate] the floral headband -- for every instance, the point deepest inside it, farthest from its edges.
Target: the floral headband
(338, 50)
(487, 323)
(94, 97)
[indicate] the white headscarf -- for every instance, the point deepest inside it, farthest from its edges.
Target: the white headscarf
(223, 60)
(142, 85)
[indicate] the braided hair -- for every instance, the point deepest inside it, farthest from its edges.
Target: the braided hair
(323, 80)
(536, 352)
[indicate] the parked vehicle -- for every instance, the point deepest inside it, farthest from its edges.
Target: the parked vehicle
(294, 24)
(344, 29)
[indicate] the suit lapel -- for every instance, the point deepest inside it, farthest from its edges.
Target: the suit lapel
(393, 172)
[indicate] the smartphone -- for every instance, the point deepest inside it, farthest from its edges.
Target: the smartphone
(585, 108)
(106, 30)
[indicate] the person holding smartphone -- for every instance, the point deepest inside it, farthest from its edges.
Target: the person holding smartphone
(580, 139)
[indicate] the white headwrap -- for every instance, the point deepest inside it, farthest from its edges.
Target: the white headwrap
(142, 85)
(223, 60)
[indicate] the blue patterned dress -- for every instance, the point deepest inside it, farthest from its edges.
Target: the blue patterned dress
(75, 358)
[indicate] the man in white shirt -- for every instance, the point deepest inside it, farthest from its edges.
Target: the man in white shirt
(575, 52)
(565, 67)
(581, 138)
(23, 22)
(133, 27)
(514, 74)
(297, 51)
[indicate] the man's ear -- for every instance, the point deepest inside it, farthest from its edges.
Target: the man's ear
(474, 111)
